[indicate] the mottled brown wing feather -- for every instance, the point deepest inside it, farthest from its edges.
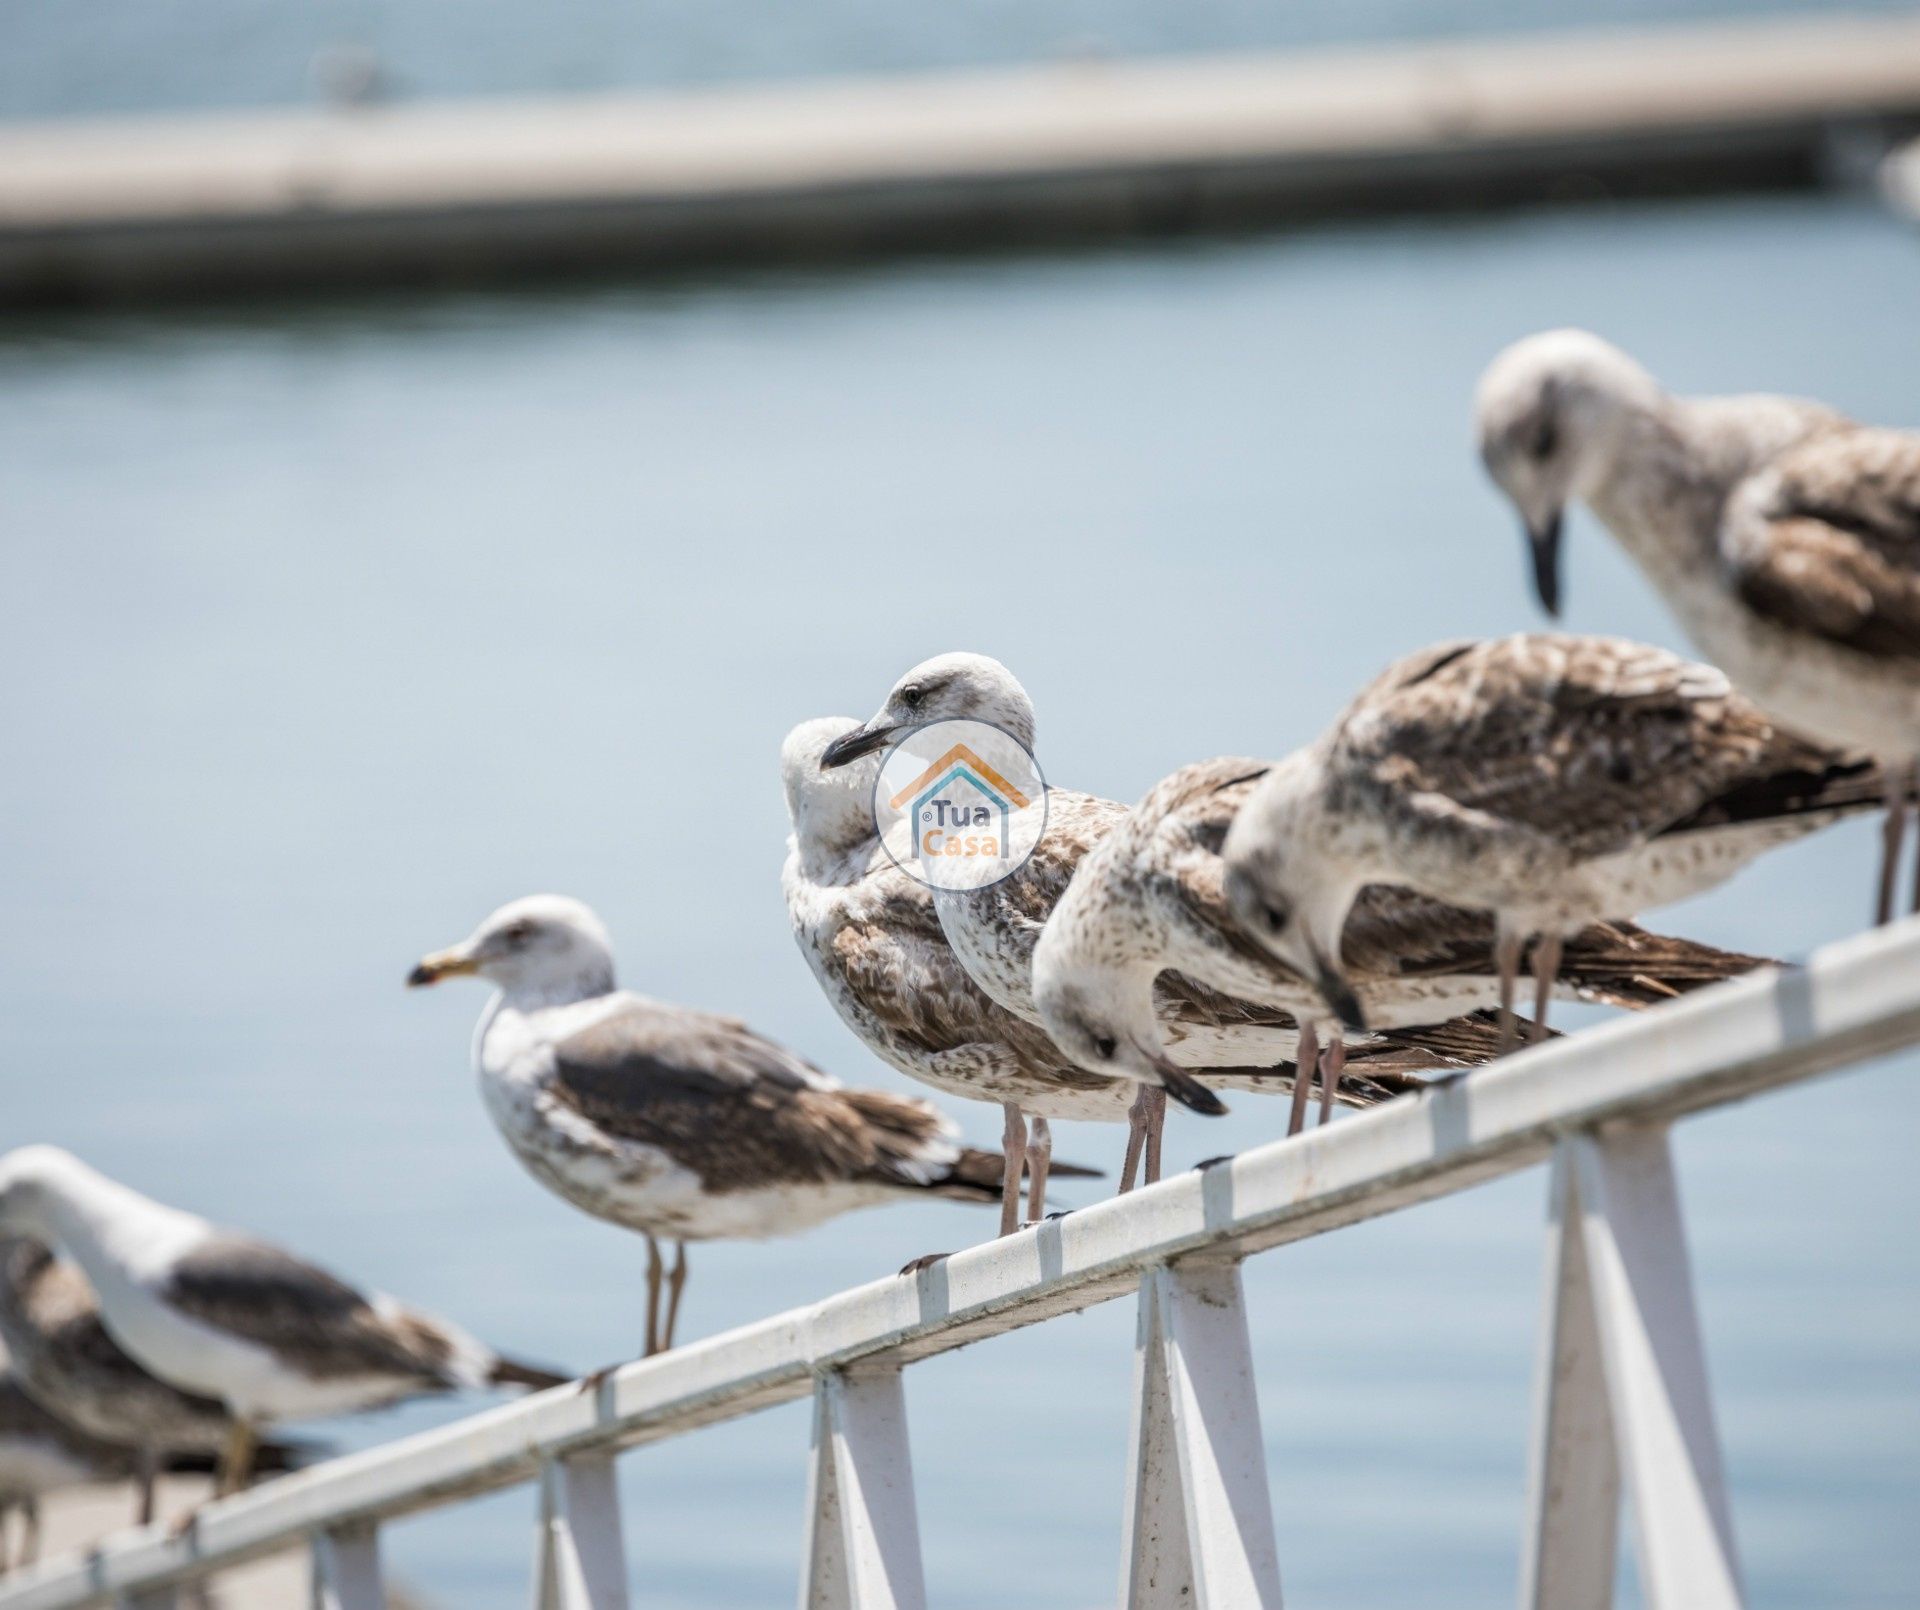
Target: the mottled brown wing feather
(1595, 743)
(1826, 541)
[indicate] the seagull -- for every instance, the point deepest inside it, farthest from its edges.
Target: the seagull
(1153, 895)
(41, 1454)
(224, 1316)
(873, 939)
(1784, 536)
(1554, 781)
(680, 1124)
(1191, 1019)
(63, 1355)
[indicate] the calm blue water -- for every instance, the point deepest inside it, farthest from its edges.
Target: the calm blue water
(331, 628)
(131, 55)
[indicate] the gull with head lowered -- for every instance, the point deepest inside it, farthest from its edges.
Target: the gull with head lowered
(1554, 781)
(1784, 536)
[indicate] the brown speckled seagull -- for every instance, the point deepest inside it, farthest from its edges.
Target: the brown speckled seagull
(224, 1316)
(1784, 537)
(680, 1124)
(1554, 781)
(1153, 896)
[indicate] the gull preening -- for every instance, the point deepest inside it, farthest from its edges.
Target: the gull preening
(227, 1317)
(1555, 781)
(1154, 896)
(63, 1355)
(680, 1124)
(1784, 536)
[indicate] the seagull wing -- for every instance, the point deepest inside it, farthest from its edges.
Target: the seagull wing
(1588, 745)
(315, 1322)
(738, 1110)
(1826, 541)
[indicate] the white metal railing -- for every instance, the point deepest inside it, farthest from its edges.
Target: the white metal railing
(1622, 1402)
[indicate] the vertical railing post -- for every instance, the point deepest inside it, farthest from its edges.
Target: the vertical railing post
(1573, 1476)
(582, 1556)
(1199, 1522)
(346, 1570)
(863, 1527)
(1622, 1288)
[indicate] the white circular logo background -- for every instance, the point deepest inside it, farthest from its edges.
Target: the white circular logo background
(959, 804)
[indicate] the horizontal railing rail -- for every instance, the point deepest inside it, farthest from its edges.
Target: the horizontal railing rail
(1623, 1396)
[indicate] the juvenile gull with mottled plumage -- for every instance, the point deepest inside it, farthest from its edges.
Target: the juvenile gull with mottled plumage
(1555, 781)
(224, 1316)
(62, 1353)
(680, 1124)
(1784, 536)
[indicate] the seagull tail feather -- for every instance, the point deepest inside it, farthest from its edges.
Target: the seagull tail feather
(512, 1372)
(977, 1176)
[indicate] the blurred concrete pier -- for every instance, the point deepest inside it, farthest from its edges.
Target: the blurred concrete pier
(474, 191)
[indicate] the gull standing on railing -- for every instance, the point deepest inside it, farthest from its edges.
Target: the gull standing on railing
(222, 1315)
(681, 1124)
(1555, 781)
(1785, 537)
(1152, 896)
(63, 1355)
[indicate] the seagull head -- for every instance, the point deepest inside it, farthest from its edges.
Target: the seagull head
(544, 945)
(830, 810)
(1290, 883)
(31, 1180)
(948, 687)
(1551, 413)
(1093, 985)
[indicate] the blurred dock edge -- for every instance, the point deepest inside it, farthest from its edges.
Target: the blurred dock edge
(458, 192)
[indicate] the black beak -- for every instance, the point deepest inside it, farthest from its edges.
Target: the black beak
(1338, 993)
(852, 745)
(422, 975)
(1545, 544)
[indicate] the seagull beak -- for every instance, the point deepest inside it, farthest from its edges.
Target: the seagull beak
(453, 963)
(1543, 539)
(1336, 991)
(852, 745)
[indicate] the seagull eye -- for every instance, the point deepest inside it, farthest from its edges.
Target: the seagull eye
(1546, 439)
(911, 697)
(1277, 918)
(517, 933)
(1106, 1045)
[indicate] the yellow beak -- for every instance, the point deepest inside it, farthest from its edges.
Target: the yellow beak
(441, 964)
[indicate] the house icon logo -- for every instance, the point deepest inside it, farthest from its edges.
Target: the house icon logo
(960, 804)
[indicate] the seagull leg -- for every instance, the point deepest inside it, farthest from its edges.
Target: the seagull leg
(1915, 790)
(656, 1268)
(236, 1463)
(146, 1468)
(676, 1283)
(1305, 1059)
(1333, 1057)
(30, 1531)
(1506, 960)
(1156, 1127)
(1013, 1141)
(1039, 1160)
(1136, 1139)
(6, 1509)
(1546, 969)
(1891, 834)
